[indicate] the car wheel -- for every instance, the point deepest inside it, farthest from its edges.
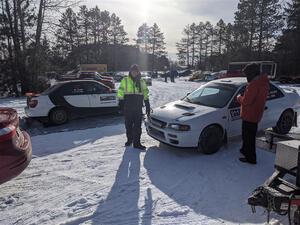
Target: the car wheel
(285, 122)
(211, 140)
(59, 116)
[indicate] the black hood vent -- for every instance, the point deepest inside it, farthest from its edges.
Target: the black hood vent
(188, 114)
(184, 107)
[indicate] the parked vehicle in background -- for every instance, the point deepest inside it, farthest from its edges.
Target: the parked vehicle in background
(266, 67)
(71, 99)
(288, 79)
(209, 115)
(90, 75)
(201, 76)
(146, 75)
(161, 74)
(154, 74)
(184, 73)
(99, 68)
(118, 76)
(221, 74)
(15, 145)
(109, 74)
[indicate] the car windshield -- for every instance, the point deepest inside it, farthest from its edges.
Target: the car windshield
(212, 95)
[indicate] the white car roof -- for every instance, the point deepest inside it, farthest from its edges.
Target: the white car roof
(236, 81)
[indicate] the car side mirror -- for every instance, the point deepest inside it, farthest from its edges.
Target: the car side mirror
(188, 93)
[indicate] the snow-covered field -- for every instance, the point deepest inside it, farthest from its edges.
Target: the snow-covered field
(81, 173)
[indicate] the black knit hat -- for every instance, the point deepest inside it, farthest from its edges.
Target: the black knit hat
(251, 71)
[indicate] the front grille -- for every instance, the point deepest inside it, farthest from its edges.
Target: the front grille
(156, 133)
(158, 123)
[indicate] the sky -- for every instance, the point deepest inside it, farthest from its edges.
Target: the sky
(170, 15)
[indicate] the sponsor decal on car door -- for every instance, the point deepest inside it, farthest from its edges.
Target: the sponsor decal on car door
(100, 96)
(234, 115)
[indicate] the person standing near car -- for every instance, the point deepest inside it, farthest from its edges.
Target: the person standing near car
(252, 108)
(132, 93)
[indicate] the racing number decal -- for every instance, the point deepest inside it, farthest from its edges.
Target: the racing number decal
(235, 114)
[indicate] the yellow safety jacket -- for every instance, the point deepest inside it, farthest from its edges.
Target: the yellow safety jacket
(132, 96)
(128, 87)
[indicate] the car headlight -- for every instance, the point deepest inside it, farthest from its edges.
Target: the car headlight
(180, 127)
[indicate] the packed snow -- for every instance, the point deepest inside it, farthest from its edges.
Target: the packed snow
(81, 173)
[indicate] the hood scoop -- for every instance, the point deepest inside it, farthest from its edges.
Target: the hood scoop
(188, 114)
(184, 107)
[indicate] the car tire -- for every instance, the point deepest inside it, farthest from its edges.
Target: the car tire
(58, 116)
(285, 122)
(211, 140)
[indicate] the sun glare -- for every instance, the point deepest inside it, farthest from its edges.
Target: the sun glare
(144, 8)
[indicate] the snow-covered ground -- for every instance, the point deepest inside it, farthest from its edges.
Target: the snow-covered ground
(81, 173)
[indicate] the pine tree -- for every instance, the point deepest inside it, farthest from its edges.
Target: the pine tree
(220, 32)
(258, 23)
(193, 42)
(143, 37)
(156, 43)
(117, 36)
(288, 45)
(183, 47)
(117, 32)
(208, 28)
(84, 23)
(67, 34)
(200, 42)
(270, 22)
(104, 26)
(95, 23)
(246, 24)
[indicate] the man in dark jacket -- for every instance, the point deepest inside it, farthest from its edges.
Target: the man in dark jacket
(132, 93)
(252, 109)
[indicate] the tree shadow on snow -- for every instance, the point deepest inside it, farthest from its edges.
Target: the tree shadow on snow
(216, 186)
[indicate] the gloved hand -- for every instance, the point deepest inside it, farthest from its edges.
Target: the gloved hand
(148, 109)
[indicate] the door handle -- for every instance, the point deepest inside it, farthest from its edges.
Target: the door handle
(266, 107)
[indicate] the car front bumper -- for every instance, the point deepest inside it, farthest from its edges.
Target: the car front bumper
(182, 139)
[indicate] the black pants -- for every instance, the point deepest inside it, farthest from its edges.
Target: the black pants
(249, 137)
(133, 123)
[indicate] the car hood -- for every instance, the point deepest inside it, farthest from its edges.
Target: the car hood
(180, 111)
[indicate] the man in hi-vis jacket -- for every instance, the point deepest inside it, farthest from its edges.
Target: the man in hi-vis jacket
(132, 94)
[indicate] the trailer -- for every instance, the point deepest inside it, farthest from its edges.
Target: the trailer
(280, 193)
(266, 67)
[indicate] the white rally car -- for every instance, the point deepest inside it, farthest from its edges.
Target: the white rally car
(209, 115)
(70, 99)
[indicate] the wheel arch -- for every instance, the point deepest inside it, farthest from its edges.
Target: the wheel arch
(217, 125)
(58, 107)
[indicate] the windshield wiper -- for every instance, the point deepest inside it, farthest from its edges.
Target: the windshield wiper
(188, 100)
